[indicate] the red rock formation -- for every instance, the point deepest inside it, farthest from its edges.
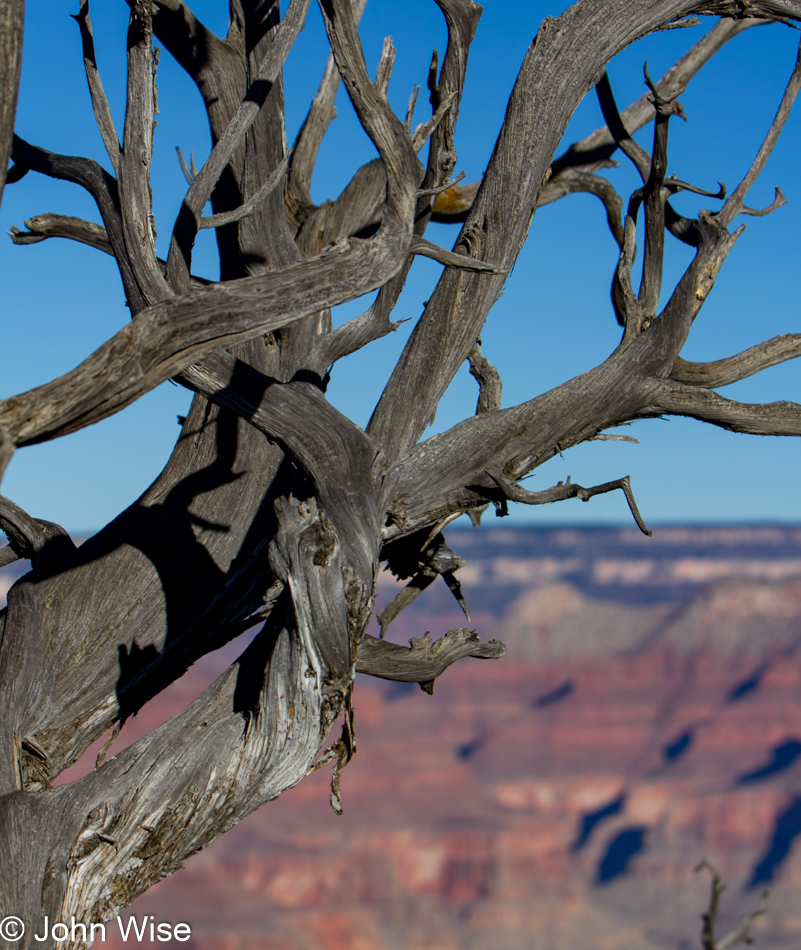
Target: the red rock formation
(558, 798)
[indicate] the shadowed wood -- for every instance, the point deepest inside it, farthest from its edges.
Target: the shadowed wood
(274, 509)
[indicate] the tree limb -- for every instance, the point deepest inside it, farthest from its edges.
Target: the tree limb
(41, 542)
(100, 106)
(426, 248)
(734, 368)
(488, 379)
(774, 418)
(136, 204)
(162, 340)
(44, 226)
(561, 492)
(102, 187)
(246, 209)
(186, 39)
(12, 15)
(186, 226)
(423, 661)
(734, 204)
(499, 218)
(741, 933)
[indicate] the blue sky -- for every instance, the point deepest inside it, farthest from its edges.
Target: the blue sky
(553, 321)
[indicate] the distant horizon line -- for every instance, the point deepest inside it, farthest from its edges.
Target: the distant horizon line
(505, 523)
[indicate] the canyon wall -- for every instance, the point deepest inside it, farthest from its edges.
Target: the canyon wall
(647, 715)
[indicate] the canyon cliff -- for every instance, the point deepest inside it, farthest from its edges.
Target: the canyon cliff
(647, 715)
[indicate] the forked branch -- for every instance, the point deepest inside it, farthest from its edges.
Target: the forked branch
(742, 931)
(188, 221)
(560, 492)
(735, 204)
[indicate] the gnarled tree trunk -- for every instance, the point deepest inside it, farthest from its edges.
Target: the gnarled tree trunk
(274, 507)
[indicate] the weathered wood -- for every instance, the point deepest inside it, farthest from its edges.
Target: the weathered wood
(423, 661)
(273, 506)
(12, 16)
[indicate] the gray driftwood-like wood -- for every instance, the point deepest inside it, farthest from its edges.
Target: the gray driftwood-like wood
(275, 510)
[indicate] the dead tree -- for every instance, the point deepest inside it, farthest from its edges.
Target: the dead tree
(274, 507)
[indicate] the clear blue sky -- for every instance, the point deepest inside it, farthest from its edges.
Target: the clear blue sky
(63, 300)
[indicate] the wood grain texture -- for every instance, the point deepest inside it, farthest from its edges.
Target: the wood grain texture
(12, 17)
(274, 508)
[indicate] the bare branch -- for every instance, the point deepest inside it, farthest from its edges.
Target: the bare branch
(614, 122)
(741, 933)
(182, 163)
(734, 368)
(41, 542)
(426, 248)
(44, 226)
(778, 201)
(410, 108)
(188, 221)
(440, 189)
(488, 379)
(572, 181)
(423, 132)
(136, 206)
(674, 185)
(102, 187)
(434, 559)
(775, 418)
(105, 122)
(246, 209)
(357, 333)
(384, 71)
(462, 18)
(164, 339)
(561, 492)
(307, 144)
(627, 306)
(735, 203)
(12, 15)
(714, 243)
(423, 661)
(654, 200)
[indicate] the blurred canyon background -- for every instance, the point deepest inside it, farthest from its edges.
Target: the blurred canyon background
(647, 715)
